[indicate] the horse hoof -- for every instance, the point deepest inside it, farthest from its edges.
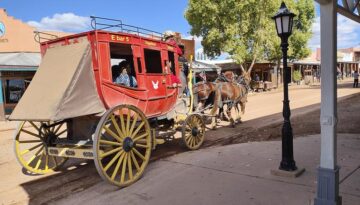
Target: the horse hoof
(232, 123)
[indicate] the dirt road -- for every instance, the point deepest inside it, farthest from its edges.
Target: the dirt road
(262, 121)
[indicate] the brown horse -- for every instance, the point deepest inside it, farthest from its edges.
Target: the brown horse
(204, 93)
(232, 94)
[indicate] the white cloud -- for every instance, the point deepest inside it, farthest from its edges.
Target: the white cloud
(347, 33)
(67, 22)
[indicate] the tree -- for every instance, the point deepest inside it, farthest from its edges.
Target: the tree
(245, 30)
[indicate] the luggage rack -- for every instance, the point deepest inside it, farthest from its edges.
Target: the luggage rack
(100, 23)
(42, 36)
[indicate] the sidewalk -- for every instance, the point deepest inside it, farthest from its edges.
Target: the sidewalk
(8, 125)
(234, 174)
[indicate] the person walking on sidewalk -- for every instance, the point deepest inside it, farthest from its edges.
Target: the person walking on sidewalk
(356, 79)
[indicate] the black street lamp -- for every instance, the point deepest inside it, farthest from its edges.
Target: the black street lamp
(284, 23)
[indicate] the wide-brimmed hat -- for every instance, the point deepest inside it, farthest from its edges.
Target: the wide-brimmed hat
(168, 34)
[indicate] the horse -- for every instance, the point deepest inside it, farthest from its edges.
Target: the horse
(204, 93)
(232, 94)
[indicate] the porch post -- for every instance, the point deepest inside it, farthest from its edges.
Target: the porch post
(2, 104)
(328, 172)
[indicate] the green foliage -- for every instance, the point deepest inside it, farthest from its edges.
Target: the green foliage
(297, 75)
(245, 30)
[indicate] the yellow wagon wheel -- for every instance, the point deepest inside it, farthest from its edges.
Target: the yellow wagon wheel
(122, 145)
(193, 131)
(31, 140)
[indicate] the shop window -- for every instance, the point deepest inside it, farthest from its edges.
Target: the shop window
(14, 89)
(152, 61)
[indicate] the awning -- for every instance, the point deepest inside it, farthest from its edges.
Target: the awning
(198, 66)
(63, 86)
(19, 59)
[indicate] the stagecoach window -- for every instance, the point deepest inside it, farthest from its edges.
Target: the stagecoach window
(118, 53)
(152, 61)
(172, 61)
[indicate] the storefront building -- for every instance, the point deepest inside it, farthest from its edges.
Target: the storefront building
(19, 58)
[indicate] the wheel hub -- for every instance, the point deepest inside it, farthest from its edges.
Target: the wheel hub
(128, 144)
(195, 131)
(49, 137)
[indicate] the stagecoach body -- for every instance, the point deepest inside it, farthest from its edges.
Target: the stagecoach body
(73, 107)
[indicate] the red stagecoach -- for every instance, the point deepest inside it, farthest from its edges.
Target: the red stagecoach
(74, 108)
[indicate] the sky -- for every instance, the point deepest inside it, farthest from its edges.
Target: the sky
(157, 15)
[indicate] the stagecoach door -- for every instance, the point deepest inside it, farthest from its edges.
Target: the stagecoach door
(155, 80)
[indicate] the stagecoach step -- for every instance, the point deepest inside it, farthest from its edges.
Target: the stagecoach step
(82, 153)
(75, 143)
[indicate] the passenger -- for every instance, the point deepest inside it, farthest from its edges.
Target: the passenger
(115, 70)
(124, 78)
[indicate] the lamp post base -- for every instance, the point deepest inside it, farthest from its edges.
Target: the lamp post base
(290, 174)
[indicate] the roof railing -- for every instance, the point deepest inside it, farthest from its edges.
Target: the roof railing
(42, 36)
(100, 23)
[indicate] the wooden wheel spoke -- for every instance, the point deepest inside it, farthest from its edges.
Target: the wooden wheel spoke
(138, 129)
(58, 128)
(113, 160)
(39, 160)
(108, 130)
(138, 153)
(197, 140)
(123, 170)
(110, 143)
(34, 156)
(140, 137)
(191, 142)
(30, 133)
(110, 152)
(142, 146)
(135, 161)
(133, 124)
(29, 141)
(35, 126)
(128, 122)
(52, 128)
(130, 167)
(117, 166)
(62, 132)
(31, 149)
(122, 122)
(121, 134)
(188, 136)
